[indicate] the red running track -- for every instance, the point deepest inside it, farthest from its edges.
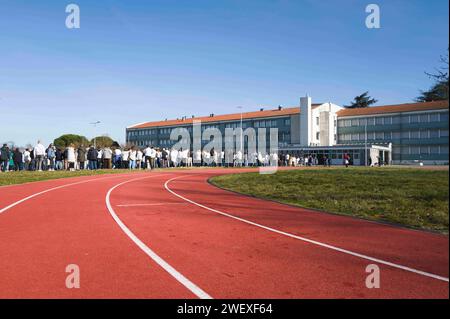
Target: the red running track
(170, 234)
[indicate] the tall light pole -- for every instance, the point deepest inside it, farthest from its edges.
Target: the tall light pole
(365, 141)
(242, 132)
(95, 133)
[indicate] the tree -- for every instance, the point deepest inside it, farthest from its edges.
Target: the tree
(115, 144)
(439, 90)
(363, 100)
(67, 139)
(102, 141)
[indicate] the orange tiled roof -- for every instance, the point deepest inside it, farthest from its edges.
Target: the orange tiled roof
(225, 117)
(407, 107)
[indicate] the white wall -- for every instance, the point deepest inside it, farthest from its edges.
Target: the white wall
(326, 113)
(305, 121)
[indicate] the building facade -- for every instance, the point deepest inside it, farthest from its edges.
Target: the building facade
(398, 134)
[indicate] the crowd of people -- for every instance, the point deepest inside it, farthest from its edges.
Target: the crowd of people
(52, 158)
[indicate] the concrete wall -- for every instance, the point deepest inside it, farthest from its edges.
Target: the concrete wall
(295, 129)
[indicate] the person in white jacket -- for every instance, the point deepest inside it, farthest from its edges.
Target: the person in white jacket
(139, 157)
(39, 155)
(132, 159)
(27, 159)
(174, 157)
(71, 158)
(198, 157)
(125, 158)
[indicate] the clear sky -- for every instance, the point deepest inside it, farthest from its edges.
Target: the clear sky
(141, 60)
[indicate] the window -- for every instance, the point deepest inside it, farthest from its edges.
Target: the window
(414, 119)
(379, 135)
(371, 121)
(287, 122)
(415, 134)
(434, 117)
(434, 149)
(387, 120)
(396, 135)
(424, 118)
(405, 150)
(405, 119)
(433, 133)
(424, 134)
(340, 123)
(444, 117)
(347, 123)
(444, 149)
(405, 134)
(355, 137)
(415, 150)
(362, 122)
(396, 119)
(396, 150)
(317, 120)
(387, 135)
(355, 122)
(379, 121)
(424, 150)
(362, 136)
(443, 133)
(317, 135)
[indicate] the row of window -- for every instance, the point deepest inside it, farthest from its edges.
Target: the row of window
(422, 134)
(388, 120)
(421, 150)
(268, 123)
(233, 125)
(284, 137)
(142, 132)
(163, 142)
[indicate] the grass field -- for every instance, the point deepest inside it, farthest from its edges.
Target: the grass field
(10, 178)
(411, 197)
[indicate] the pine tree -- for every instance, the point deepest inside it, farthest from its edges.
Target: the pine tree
(439, 90)
(363, 100)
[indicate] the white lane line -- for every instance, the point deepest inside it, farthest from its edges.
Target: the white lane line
(4, 209)
(149, 204)
(161, 262)
(380, 261)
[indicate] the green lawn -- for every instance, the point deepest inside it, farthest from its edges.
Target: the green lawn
(408, 196)
(10, 178)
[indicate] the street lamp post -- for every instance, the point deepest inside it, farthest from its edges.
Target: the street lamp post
(365, 142)
(95, 137)
(242, 133)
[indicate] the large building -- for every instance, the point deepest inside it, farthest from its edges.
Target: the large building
(398, 134)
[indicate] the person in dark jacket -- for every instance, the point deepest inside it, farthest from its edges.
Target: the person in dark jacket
(4, 157)
(18, 159)
(92, 158)
(59, 157)
(81, 157)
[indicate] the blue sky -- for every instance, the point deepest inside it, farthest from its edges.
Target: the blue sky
(142, 60)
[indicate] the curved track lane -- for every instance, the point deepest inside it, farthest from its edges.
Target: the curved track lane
(176, 216)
